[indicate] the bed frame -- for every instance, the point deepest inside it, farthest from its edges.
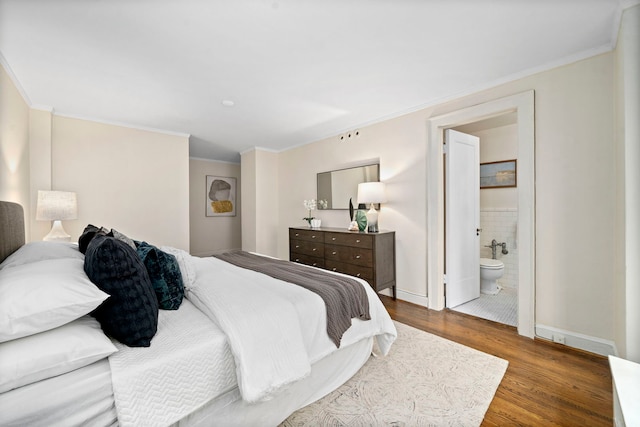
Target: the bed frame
(229, 408)
(11, 228)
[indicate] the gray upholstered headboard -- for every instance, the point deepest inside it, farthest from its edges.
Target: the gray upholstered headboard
(11, 228)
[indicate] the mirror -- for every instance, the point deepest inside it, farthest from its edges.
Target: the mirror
(337, 187)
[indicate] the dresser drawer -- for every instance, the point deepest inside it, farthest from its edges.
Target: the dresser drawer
(308, 235)
(306, 259)
(305, 247)
(369, 256)
(365, 273)
(350, 255)
(358, 240)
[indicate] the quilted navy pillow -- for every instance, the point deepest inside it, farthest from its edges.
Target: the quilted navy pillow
(90, 231)
(164, 272)
(130, 315)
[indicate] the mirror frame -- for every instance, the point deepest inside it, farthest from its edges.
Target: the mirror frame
(322, 175)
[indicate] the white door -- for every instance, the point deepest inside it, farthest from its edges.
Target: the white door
(462, 217)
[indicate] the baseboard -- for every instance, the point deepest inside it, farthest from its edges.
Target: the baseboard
(407, 296)
(576, 340)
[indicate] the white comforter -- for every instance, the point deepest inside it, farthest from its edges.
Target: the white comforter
(276, 330)
(187, 364)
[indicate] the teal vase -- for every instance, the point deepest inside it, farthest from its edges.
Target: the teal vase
(361, 219)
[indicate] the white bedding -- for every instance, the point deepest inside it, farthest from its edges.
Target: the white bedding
(281, 329)
(187, 364)
(189, 375)
(63, 401)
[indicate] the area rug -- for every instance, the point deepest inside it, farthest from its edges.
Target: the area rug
(425, 380)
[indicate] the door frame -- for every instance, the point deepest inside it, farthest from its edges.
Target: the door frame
(523, 105)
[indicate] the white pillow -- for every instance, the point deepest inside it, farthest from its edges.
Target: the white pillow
(43, 295)
(187, 269)
(54, 352)
(39, 251)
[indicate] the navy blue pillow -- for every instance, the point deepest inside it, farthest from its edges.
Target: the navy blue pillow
(165, 275)
(130, 314)
(90, 231)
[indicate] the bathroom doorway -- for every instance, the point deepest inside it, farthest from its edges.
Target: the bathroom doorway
(523, 106)
(498, 224)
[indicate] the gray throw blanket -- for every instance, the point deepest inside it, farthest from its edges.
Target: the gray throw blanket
(345, 298)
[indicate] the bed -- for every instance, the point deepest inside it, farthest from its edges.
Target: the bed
(241, 348)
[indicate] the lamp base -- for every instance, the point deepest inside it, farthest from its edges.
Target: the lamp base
(57, 233)
(372, 220)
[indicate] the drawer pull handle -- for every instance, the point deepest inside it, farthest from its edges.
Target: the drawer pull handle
(315, 264)
(297, 246)
(333, 238)
(357, 256)
(314, 249)
(358, 241)
(358, 275)
(297, 259)
(297, 234)
(334, 269)
(334, 252)
(313, 237)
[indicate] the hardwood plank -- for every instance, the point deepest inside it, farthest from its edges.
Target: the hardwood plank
(545, 384)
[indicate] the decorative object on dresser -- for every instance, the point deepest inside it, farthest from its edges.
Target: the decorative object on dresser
(312, 205)
(371, 257)
(371, 192)
(56, 206)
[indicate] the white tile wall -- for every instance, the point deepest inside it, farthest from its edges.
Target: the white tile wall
(502, 225)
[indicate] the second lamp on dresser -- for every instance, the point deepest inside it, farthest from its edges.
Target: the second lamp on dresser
(370, 256)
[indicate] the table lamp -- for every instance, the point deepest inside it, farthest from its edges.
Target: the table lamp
(56, 206)
(371, 192)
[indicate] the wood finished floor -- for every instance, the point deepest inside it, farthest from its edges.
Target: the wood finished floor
(546, 384)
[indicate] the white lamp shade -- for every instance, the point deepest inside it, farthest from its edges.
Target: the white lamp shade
(371, 192)
(56, 206)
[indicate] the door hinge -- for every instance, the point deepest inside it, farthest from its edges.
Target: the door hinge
(445, 148)
(444, 278)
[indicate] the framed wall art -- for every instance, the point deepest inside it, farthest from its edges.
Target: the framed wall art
(220, 196)
(501, 174)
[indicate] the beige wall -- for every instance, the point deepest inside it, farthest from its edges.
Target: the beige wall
(260, 224)
(498, 144)
(575, 204)
(40, 128)
(211, 235)
(14, 145)
(135, 181)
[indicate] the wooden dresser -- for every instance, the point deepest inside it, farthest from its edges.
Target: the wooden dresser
(370, 256)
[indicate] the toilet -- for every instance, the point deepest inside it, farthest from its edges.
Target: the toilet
(490, 271)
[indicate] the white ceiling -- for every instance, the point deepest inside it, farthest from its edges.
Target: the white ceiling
(296, 70)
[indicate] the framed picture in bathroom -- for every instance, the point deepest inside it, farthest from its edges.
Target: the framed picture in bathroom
(500, 174)
(220, 196)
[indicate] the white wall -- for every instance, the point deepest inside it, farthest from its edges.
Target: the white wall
(133, 180)
(499, 206)
(211, 235)
(40, 128)
(260, 201)
(14, 145)
(575, 204)
(399, 146)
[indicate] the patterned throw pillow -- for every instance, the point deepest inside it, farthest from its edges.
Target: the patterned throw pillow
(164, 272)
(130, 315)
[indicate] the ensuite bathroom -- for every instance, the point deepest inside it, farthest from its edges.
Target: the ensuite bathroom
(498, 262)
